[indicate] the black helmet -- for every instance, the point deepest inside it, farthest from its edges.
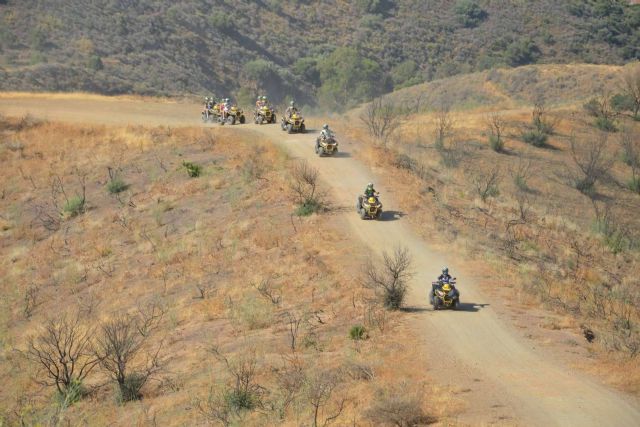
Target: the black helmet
(445, 270)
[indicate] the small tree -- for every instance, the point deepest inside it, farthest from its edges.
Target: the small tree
(120, 347)
(391, 279)
(62, 349)
(382, 119)
(444, 126)
(320, 387)
(631, 155)
(600, 107)
(591, 162)
(486, 183)
(305, 188)
(497, 126)
(631, 88)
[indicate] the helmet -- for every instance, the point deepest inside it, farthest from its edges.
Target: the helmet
(445, 270)
(259, 98)
(446, 287)
(264, 98)
(292, 103)
(370, 185)
(325, 126)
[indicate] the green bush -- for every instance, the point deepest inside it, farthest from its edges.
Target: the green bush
(496, 143)
(309, 207)
(239, 399)
(95, 63)
(606, 124)
(193, 170)
(357, 333)
(116, 185)
(586, 186)
(622, 102)
(73, 207)
(72, 394)
(129, 390)
(634, 184)
(522, 52)
(535, 137)
(221, 21)
(469, 13)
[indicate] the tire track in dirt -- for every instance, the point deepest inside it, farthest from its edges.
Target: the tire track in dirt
(505, 380)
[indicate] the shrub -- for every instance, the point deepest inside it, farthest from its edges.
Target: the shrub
(396, 407)
(240, 399)
(72, 394)
(496, 143)
(129, 390)
(469, 13)
(535, 137)
(116, 185)
(357, 333)
(221, 21)
(194, 170)
(308, 208)
(389, 280)
(622, 102)
(605, 124)
(73, 207)
(634, 184)
(95, 63)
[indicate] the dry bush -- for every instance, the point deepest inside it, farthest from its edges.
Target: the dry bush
(591, 161)
(497, 127)
(630, 142)
(521, 173)
(444, 126)
(382, 119)
(396, 407)
(121, 349)
(241, 394)
(486, 182)
(542, 120)
(305, 188)
(389, 280)
(631, 87)
(62, 349)
(290, 380)
(600, 107)
(319, 391)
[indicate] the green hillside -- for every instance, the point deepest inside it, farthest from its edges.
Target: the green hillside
(310, 50)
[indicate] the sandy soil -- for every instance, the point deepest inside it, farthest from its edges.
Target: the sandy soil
(505, 378)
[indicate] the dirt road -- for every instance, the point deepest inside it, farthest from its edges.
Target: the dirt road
(506, 380)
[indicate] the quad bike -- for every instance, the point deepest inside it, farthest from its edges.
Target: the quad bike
(440, 298)
(369, 207)
(295, 123)
(328, 146)
(234, 115)
(264, 115)
(211, 114)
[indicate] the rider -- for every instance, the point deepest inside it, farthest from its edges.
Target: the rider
(445, 276)
(259, 102)
(291, 109)
(265, 102)
(224, 107)
(370, 191)
(325, 133)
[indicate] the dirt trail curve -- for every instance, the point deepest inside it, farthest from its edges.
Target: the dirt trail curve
(507, 381)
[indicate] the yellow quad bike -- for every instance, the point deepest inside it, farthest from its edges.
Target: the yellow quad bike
(292, 124)
(234, 115)
(369, 207)
(211, 114)
(328, 146)
(444, 297)
(264, 115)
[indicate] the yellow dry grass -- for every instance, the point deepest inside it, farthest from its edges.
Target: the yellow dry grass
(226, 231)
(552, 257)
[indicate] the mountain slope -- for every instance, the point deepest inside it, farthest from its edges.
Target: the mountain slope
(164, 48)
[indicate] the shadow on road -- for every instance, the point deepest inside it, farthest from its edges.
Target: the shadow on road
(342, 154)
(391, 215)
(471, 307)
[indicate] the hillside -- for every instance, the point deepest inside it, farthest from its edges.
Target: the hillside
(337, 52)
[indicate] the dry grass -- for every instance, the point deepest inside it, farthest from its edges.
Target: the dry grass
(198, 247)
(540, 236)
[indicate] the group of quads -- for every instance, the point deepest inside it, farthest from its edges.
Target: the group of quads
(291, 122)
(227, 112)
